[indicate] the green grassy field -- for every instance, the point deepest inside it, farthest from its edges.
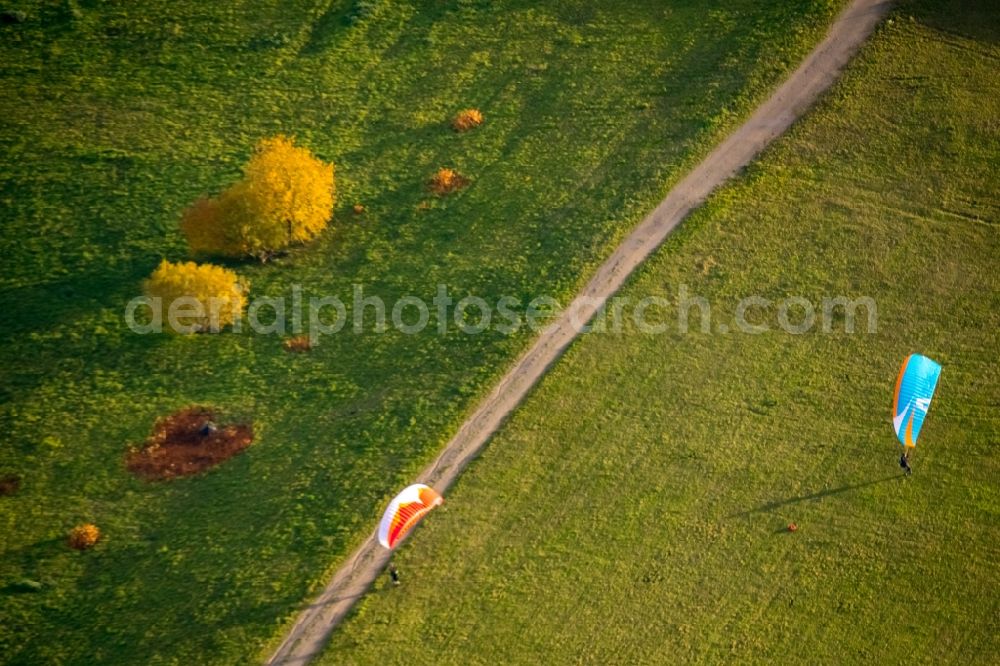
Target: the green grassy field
(635, 509)
(115, 119)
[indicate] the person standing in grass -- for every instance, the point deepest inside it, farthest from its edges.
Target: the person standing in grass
(904, 462)
(394, 574)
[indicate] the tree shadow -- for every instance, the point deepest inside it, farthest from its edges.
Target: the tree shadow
(972, 19)
(777, 504)
(26, 558)
(33, 551)
(327, 27)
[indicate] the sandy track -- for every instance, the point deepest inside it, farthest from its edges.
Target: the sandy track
(789, 102)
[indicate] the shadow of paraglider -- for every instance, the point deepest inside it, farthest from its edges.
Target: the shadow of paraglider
(770, 506)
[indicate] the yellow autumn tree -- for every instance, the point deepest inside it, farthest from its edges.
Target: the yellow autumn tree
(194, 297)
(286, 196)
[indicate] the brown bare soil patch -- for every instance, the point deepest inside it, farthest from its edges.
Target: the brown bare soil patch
(9, 484)
(300, 343)
(187, 442)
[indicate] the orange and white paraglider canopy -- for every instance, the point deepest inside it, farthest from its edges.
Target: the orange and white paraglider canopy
(404, 511)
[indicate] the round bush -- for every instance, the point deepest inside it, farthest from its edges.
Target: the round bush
(84, 536)
(467, 119)
(193, 298)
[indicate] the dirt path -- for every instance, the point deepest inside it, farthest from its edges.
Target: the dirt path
(820, 69)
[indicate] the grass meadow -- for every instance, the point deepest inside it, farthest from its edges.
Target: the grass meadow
(635, 509)
(117, 116)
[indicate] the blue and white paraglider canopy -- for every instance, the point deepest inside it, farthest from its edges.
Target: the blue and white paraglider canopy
(914, 389)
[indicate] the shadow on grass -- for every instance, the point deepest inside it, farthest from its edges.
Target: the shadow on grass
(970, 19)
(777, 504)
(33, 551)
(27, 558)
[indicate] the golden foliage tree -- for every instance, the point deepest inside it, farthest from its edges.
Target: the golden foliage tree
(195, 297)
(286, 196)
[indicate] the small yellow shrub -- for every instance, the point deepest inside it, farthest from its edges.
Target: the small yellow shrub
(214, 296)
(84, 536)
(467, 119)
(447, 180)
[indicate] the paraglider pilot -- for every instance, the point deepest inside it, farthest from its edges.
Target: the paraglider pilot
(904, 462)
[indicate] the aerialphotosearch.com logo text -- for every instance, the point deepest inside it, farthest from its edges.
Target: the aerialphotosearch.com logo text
(683, 312)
